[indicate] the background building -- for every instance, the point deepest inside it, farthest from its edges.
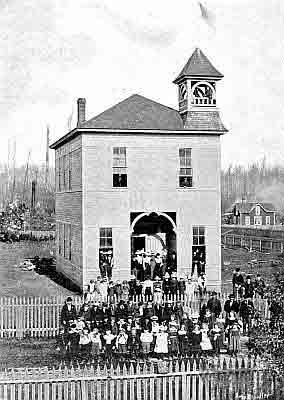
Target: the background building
(143, 176)
(251, 213)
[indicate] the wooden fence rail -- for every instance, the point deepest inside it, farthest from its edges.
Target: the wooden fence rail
(261, 244)
(185, 381)
(40, 316)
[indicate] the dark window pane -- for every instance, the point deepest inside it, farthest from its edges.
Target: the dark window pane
(119, 180)
(201, 231)
(108, 232)
(102, 232)
(195, 240)
(109, 242)
(185, 181)
(201, 240)
(195, 230)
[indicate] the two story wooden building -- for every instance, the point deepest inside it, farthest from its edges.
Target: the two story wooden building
(142, 176)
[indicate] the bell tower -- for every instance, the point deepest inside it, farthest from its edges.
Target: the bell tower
(197, 87)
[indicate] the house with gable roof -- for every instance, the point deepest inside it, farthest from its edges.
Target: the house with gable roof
(142, 177)
(252, 213)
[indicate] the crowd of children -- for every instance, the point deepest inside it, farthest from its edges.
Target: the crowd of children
(155, 328)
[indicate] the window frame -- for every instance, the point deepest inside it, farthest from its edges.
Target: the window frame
(119, 166)
(185, 171)
(257, 218)
(267, 218)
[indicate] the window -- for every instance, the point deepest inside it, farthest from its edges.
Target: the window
(106, 252)
(105, 237)
(198, 250)
(247, 220)
(64, 172)
(70, 172)
(267, 220)
(185, 168)
(258, 220)
(64, 240)
(119, 174)
(257, 210)
(60, 232)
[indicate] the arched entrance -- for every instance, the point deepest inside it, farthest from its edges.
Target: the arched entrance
(153, 245)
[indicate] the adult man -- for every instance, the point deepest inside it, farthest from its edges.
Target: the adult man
(259, 286)
(249, 288)
(246, 313)
(231, 305)
(238, 281)
(68, 312)
(214, 305)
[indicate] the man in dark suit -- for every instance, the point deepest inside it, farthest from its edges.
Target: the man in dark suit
(214, 305)
(68, 312)
(231, 305)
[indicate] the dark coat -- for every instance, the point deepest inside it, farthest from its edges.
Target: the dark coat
(68, 315)
(214, 305)
(234, 306)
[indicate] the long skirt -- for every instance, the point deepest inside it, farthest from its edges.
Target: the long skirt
(173, 344)
(234, 342)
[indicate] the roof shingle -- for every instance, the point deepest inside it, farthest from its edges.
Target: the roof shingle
(198, 65)
(204, 121)
(137, 112)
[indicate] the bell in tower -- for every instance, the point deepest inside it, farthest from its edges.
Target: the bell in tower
(197, 89)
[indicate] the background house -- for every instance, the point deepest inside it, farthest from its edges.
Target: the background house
(251, 213)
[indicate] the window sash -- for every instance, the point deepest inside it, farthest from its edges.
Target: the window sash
(198, 234)
(119, 157)
(105, 237)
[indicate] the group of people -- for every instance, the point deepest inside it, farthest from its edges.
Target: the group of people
(104, 290)
(147, 265)
(246, 287)
(157, 327)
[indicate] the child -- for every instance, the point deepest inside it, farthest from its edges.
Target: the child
(196, 338)
(108, 338)
(134, 343)
(146, 341)
(85, 343)
(216, 338)
(205, 344)
(161, 346)
(183, 340)
(96, 342)
(73, 340)
(173, 339)
(121, 342)
(234, 338)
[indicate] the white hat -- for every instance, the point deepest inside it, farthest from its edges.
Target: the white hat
(132, 277)
(167, 275)
(157, 278)
(174, 275)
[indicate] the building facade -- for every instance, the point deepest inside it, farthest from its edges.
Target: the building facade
(143, 178)
(252, 213)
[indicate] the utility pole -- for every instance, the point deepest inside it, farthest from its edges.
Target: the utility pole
(47, 158)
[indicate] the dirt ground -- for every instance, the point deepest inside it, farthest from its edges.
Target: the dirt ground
(15, 282)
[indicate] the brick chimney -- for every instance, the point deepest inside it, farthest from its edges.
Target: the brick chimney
(81, 103)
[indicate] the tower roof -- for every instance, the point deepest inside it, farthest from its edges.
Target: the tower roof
(198, 65)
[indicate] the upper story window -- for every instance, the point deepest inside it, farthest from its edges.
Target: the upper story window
(185, 168)
(257, 210)
(64, 173)
(105, 238)
(119, 173)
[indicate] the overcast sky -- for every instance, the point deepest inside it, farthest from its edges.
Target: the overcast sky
(54, 51)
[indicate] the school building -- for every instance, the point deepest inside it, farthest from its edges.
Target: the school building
(142, 176)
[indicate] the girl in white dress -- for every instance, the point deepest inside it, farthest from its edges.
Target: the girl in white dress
(161, 346)
(205, 342)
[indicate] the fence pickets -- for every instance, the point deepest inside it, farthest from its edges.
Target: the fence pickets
(183, 380)
(40, 316)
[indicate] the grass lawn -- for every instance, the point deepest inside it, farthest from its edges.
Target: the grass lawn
(15, 282)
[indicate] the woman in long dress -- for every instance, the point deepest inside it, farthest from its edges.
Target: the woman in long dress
(196, 338)
(205, 344)
(161, 346)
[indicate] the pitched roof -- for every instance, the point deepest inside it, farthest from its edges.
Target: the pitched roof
(246, 206)
(204, 121)
(198, 65)
(137, 112)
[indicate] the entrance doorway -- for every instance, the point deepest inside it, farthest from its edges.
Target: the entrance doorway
(153, 245)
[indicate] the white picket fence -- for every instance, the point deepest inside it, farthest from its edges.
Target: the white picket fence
(40, 316)
(214, 379)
